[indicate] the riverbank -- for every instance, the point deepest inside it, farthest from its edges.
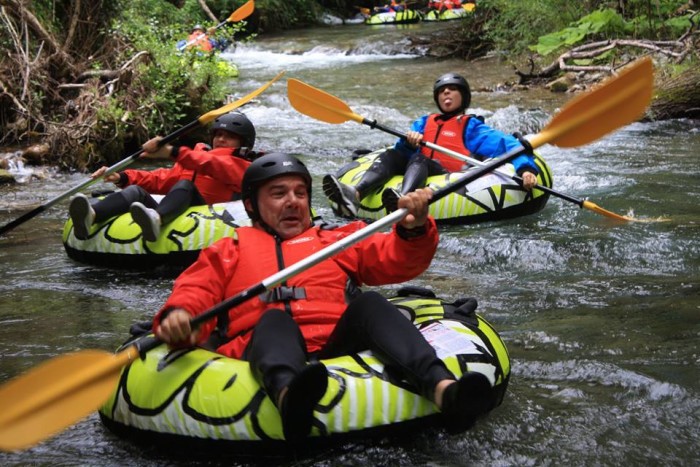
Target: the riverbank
(92, 96)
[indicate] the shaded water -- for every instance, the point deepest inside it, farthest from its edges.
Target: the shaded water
(601, 318)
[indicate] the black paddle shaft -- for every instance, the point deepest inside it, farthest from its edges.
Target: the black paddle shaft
(119, 165)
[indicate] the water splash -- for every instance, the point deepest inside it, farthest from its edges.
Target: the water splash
(15, 166)
(317, 57)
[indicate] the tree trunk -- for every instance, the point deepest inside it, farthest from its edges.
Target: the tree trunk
(207, 11)
(677, 96)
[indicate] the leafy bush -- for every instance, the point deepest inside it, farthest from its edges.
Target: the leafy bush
(286, 14)
(172, 87)
(601, 24)
(513, 26)
(609, 24)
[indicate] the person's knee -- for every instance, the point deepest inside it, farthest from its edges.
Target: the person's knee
(135, 192)
(417, 158)
(183, 185)
(274, 317)
(369, 299)
(372, 305)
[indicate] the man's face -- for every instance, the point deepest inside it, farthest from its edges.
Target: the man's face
(449, 98)
(224, 139)
(283, 203)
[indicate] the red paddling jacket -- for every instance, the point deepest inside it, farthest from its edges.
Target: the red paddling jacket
(217, 173)
(315, 298)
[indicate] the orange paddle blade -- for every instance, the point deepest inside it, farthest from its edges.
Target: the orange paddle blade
(319, 104)
(57, 394)
(242, 12)
(213, 114)
(616, 102)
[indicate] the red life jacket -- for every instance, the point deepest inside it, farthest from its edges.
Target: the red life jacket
(201, 41)
(448, 134)
(217, 173)
(320, 289)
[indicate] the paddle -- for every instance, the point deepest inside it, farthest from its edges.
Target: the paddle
(61, 391)
(241, 13)
(582, 203)
(323, 106)
(201, 121)
(364, 11)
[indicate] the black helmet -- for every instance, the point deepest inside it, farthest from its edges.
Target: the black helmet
(238, 124)
(267, 167)
(197, 26)
(456, 80)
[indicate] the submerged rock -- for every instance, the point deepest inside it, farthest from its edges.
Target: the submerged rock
(6, 177)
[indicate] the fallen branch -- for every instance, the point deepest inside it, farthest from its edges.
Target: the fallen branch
(207, 11)
(19, 11)
(17, 102)
(677, 50)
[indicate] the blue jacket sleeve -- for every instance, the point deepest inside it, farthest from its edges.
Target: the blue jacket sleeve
(402, 145)
(488, 143)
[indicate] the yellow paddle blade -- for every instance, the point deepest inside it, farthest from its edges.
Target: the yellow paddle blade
(57, 394)
(242, 12)
(597, 209)
(614, 103)
(319, 104)
(212, 114)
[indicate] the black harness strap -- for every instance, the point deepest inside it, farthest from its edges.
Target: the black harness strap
(283, 293)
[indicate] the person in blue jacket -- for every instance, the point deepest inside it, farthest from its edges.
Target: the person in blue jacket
(451, 128)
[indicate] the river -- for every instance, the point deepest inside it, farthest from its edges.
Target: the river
(601, 318)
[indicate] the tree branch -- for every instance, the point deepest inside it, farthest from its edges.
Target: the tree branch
(72, 28)
(207, 11)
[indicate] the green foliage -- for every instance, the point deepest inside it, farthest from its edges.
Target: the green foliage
(555, 25)
(286, 14)
(609, 24)
(513, 26)
(172, 87)
(669, 29)
(601, 24)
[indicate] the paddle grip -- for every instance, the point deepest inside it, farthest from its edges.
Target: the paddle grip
(373, 124)
(145, 344)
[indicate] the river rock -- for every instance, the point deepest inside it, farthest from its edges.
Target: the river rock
(36, 154)
(561, 84)
(6, 177)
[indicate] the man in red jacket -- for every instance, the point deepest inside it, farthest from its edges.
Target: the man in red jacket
(319, 313)
(202, 175)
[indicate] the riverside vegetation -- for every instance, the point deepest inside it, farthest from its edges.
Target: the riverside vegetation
(92, 80)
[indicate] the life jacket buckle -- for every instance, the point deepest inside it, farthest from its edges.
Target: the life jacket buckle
(283, 293)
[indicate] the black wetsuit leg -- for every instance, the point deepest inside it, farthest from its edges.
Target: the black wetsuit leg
(276, 351)
(418, 169)
(180, 197)
(119, 202)
(373, 323)
(387, 164)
